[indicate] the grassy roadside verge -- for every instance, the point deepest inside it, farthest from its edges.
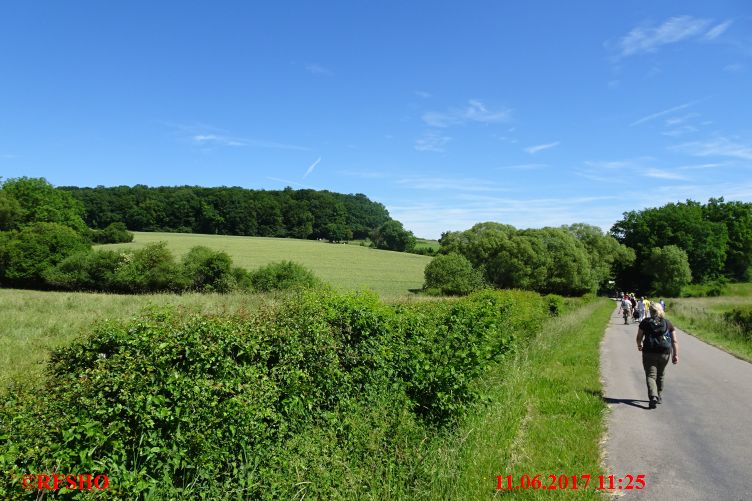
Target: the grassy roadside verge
(703, 318)
(545, 416)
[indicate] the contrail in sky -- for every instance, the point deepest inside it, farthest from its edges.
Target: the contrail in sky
(313, 166)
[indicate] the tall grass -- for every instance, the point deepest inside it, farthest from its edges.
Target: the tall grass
(545, 415)
(703, 318)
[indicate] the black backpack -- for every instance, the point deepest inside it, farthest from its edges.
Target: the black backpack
(657, 337)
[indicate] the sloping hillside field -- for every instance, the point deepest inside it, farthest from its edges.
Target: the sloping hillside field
(344, 266)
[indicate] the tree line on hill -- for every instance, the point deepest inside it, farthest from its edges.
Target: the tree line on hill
(305, 214)
(652, 251)
(46, 244)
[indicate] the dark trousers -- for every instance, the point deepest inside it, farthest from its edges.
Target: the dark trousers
(655, 366)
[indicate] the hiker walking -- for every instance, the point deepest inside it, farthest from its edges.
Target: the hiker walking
(633, 301)
(641, 309)
(626, 308)
(656, 339)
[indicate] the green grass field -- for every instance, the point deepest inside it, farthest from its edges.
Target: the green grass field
(344, 266)
(703, 317)
(36, 321)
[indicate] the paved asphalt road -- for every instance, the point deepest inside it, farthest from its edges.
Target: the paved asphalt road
(698, 443)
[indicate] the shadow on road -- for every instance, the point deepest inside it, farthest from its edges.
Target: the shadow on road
(628, 401)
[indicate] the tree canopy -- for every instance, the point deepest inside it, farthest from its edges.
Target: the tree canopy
(716, 237)
(231, 211)
(570, 260)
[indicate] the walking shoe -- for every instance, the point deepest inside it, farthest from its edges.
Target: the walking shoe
(653, 402)
(658, 399)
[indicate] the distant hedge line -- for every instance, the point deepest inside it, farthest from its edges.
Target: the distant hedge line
(52, 256)
(322, 395)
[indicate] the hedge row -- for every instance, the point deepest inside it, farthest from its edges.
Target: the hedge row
(321, 395)
(52, 256)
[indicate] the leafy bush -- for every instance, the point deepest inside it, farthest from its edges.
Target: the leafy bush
(149, 269)
(669, 268)
(283, 275)
(713, 288)
(40, 202)
(742, 317)
(393, 236)
(87, 270)
(318, 395)
(556, 305)
(452, 274)
(208, 270)
(114, 233)
(25, 255)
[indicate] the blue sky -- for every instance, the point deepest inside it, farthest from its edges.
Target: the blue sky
(449, 113)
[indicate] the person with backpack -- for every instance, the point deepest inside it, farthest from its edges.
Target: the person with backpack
(656, 339)
(626, 307)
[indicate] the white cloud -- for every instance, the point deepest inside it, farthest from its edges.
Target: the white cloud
(540, 147)
(703, 166)
(522, 167)
(717, 30)
(432, 141)
(209, 137)
(317, 69)
(668, 111)
(649, 39)
(222, 140)
(733, 68)
(609, 165)
(674, 121)
(287, 182)
(680, 131)
(369, 174)
(661, 174)
(430, 219)
(475, 111)
(431, 183)
(313, 166)
(721, 147)
(217, 140)
(422, 94)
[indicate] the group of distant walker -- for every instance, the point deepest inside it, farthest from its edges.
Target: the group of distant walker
(656, 339)
(635, 309)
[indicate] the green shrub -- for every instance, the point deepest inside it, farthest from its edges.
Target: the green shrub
(391, 235)
(555, 303)
(208, 270)
(150, 269)
(114, 233)
(87, 270)
(713, 288)
(452, 274)
(319, 395)
(742, 317)
(283, 275)
(25, 255)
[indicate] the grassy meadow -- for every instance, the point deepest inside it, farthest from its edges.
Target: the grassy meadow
(36, 321)
(703, 317)
(344, 266)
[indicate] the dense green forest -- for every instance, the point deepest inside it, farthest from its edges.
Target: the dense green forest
(232, 211)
